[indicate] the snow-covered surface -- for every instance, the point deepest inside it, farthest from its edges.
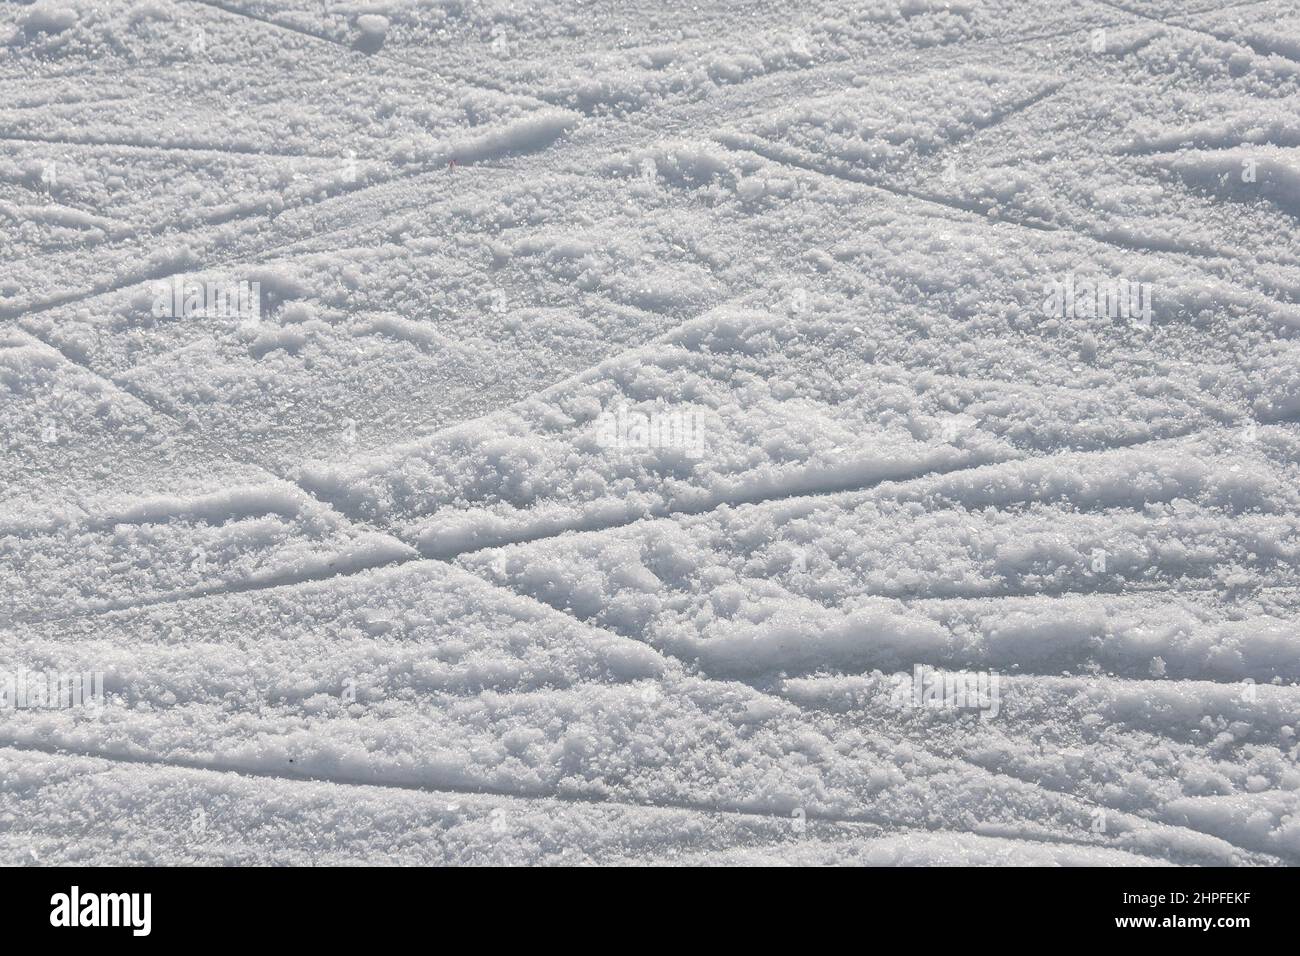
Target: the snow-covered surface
(641, 396)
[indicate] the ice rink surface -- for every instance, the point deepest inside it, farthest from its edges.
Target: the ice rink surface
(471, 432)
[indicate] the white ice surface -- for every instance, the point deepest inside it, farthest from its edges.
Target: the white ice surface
(364, 578)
